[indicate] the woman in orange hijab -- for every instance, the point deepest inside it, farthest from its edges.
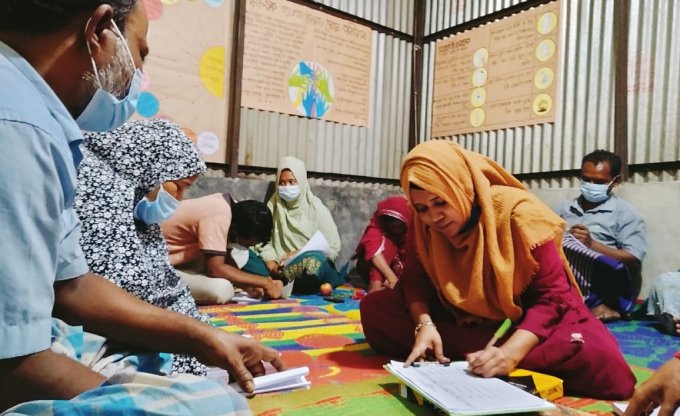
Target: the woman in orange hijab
(482, 249)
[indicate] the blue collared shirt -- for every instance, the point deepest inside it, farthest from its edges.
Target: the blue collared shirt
(40, 231)
(614, 223)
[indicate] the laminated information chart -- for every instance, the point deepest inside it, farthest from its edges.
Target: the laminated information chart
(503, 74)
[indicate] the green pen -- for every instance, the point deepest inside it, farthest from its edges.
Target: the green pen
(499, 333)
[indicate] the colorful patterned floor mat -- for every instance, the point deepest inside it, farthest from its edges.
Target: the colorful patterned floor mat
(347, 376)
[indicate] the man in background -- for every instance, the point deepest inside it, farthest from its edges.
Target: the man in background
(610, 226)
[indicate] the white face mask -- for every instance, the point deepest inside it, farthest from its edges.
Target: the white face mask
(289, 193)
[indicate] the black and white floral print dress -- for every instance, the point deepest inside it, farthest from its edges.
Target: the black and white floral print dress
(119, 168)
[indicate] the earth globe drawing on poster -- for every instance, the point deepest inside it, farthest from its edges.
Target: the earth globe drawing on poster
(311, 89)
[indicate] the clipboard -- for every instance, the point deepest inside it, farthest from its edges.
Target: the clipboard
(456, 392)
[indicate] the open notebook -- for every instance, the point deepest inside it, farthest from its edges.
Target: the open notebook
(456, 392)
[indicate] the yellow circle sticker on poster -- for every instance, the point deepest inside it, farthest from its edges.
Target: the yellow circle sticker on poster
(545, 50)
(480, 57)
(494, 72)
(546, 23)
(478, 97)
(544, 78)
(542, 104)
(477, 117)
(479, 77)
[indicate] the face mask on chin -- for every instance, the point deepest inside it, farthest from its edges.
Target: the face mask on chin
(105, 110)
(594, 192)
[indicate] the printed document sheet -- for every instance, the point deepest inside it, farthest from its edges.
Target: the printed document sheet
(454, 390)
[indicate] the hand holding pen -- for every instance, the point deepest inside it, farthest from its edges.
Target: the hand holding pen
(491, 360)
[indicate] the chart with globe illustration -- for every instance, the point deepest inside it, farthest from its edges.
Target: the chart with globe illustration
(311, 89)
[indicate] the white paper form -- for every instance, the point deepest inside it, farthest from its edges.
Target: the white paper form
(456, 391)
(317, 243)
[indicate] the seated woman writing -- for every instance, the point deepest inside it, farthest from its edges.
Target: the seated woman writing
(484, 249)
(129, 181)
(381, 251)
(298, 215)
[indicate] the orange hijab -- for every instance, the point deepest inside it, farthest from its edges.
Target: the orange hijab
(483, 271)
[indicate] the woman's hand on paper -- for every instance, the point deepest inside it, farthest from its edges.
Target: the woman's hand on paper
(288, 256)
(427, 347)
(500, 361)
(662, 389)
(490, 362)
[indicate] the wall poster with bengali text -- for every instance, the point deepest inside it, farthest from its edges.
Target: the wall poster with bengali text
(186, 75)
(503, 74)
(304, 62)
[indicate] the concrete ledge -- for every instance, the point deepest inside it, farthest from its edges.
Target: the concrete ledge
(352, 204)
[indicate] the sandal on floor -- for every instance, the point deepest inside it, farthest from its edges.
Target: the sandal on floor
(668, 325)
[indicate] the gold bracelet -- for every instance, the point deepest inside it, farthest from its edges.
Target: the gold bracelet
(421, 325)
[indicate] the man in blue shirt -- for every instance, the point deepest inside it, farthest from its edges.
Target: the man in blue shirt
(610, 226)
(57, 59)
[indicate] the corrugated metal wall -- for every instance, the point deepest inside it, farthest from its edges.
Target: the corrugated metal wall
(654, 86)
(443, 14)
(585, 119)
(395, 14)
(337, 148)
(586, 116)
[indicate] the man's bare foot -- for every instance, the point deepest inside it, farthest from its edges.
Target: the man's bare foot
(605, 314)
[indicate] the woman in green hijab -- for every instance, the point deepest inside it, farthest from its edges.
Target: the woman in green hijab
(298, 215)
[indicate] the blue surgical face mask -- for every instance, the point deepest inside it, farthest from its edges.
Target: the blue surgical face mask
(106, 111)
(157, 211)
(289, 193)
(594, 192)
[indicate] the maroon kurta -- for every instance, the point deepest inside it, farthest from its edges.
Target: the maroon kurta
(376, 240)
(574, 345)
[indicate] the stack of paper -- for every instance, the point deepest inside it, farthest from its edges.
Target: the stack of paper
(457, 392)
(291, 379)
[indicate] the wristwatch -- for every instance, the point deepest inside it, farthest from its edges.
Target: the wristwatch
(421, 325)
